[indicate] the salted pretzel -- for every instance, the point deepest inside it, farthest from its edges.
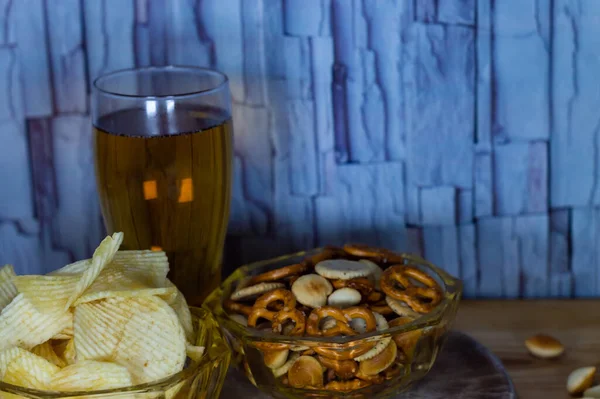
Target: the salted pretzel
(361, 284)
(293, 315)
(345, 386)
(374, 379)
(407, 341)
(313, 327)
(396, 282)
(342, 318)
(260, 309)
(344, 369)
(279, 274)
(363, 250)
(382, 308)
(379, 254)
(375, 296)
(236, 307)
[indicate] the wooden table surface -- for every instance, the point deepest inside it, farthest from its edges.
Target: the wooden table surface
(504, 325)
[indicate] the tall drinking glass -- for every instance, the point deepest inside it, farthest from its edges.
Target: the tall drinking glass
(163, 150)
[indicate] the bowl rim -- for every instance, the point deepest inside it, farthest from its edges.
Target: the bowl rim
(207, 361)
(452, 293)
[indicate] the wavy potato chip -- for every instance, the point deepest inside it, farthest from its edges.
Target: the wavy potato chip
(46, 351)
(141, 333)
(149, 266)
(47, 293)
(174, 390)
(194, 352)
(65, 350)
(180, 306)
(116, 281)
(91, 375)
(7, 288)
(103, 255)
(26, 369)
(21, 324)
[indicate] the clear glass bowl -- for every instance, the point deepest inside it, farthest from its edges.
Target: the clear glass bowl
(199, 380)
(417, 342)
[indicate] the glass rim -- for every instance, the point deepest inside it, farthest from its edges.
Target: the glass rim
(452, 292)
(164, 383)
(223, 81)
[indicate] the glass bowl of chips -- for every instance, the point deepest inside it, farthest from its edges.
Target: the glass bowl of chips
(321, 324)
(112, 325)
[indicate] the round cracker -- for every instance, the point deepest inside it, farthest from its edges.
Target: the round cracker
(376, 272)
(342, 269)
(254, 291)
(312, 290)
(382, 324)
(401, 308)
(344, 298)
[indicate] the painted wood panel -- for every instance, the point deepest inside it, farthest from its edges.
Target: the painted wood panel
(465, 130)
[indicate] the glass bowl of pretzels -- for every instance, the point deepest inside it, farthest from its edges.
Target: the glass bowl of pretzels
(353, 321)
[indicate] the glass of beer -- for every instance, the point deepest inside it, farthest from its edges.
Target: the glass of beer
(163, 155)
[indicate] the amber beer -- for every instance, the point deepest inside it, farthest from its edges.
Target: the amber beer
(169, 191)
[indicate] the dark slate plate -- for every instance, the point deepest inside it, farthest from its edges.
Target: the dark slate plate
(464, 369)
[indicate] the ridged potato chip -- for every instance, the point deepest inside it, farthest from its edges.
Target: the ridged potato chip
(148, 266)
(180, 306)
(46, 350)
(7, 289)
(103, 255)
(67, 333)
(65, 349)
(174, 390)
(91, 375)
(194, 352)
(47, 293)
(26, 369)
(116, 281)
(142, 333)
(21, 324)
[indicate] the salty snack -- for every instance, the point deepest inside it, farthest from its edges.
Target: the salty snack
(544, 346)
(580, 380)
(111, 321)
(339, 292)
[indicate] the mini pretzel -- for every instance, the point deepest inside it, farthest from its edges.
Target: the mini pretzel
(269, 346)
(374, 379)
(360, 312)
(375, 296)
(361, 284)
(341, 327)
(344, 369)
(279, 274)
(407, 341)
(236, 307)
(260, 309)
(294, 315)
(345, 354)
(395, 282)
(363, 251)
(345, 386)
(382, 308)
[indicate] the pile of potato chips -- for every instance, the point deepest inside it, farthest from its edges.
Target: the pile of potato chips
(108, 322)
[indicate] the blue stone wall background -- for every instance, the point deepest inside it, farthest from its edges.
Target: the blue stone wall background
(466, 130)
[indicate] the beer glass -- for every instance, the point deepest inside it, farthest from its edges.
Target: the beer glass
(163, 158)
